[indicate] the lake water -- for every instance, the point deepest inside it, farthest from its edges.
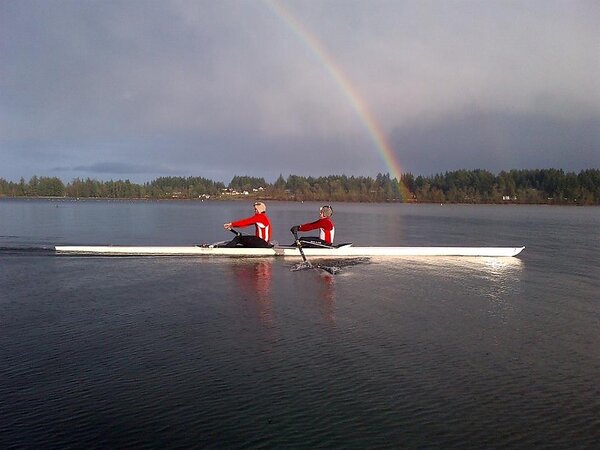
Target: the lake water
(129, 352)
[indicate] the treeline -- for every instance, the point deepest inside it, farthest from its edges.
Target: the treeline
(160, 188)
(548, 186)
(540, 186)
(339, 188)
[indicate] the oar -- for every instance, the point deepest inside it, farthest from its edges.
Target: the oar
(299, 245)
(331, 270)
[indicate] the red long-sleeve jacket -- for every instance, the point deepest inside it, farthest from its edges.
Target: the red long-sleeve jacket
(325, 226)
(261, 223)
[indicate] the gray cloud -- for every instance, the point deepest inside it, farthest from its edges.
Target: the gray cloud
(111, 168)
(222, 88)
(498, 141)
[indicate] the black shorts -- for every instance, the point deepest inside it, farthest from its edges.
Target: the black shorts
(248, 242)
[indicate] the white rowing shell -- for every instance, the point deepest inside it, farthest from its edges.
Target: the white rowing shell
(345, 251)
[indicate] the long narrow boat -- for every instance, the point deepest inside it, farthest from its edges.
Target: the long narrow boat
(341, 251)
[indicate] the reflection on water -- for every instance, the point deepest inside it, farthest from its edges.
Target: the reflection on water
(494, 269)
(327, 297)
(499, 279)
(254, 279)
(493, 280)
(263, 283)
(344, 267)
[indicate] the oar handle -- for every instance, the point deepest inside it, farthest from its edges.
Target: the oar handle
(236, 232)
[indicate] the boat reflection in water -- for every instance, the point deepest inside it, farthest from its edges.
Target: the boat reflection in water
(500, 279)
(495, 282)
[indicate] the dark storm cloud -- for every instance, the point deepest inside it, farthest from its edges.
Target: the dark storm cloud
(137, 88)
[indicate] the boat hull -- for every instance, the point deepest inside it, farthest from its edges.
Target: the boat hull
(341, 252)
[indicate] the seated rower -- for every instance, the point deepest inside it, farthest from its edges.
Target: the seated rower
(262, 225)
(325, 226)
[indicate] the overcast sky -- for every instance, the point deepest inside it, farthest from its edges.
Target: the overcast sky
(139, 89)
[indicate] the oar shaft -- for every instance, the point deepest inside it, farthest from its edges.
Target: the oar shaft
(331, 270)
(299, 245)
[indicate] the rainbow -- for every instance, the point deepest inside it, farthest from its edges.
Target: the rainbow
(358, 104)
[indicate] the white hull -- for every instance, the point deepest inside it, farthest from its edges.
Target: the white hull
(345, 251)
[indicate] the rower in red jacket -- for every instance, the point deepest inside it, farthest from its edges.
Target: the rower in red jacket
(325, 226)
(262, 226)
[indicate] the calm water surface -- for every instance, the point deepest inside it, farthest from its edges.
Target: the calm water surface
(411, 352)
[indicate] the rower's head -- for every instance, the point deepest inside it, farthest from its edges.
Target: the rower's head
(326, 211)
(260, 207)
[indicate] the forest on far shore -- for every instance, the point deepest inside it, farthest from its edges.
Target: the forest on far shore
(529, 186)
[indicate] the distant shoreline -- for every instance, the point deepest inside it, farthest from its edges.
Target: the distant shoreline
(248, 199)
(530, 187)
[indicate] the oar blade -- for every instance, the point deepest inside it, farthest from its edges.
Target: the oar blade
(333, 270)
(305, 264)
(301, 266)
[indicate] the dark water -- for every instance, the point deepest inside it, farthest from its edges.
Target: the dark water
(217, 352)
